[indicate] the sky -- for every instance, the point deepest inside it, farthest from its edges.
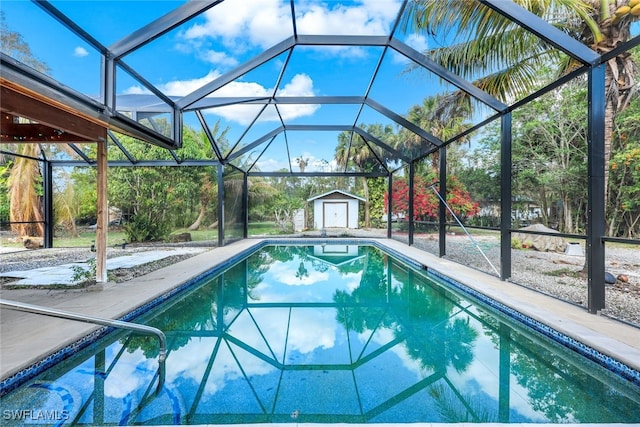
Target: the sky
(226, 37)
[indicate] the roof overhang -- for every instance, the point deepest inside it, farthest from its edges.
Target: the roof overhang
(49, 121)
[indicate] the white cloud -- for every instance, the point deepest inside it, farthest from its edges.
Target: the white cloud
(312, 329)
(352, 281)
(190, 363)
(270, 165)
(136, 90)
(185, 87)
(176, 87)
(221, 58)
(241, 26)
(80, 52)
(300, 85)
(417, 41)
(370, 17)
(260, 23)
(132, 372)
(284, 274)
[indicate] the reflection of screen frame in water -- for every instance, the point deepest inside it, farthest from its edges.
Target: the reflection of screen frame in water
(565, 342)
(544, 336)
(426, 273)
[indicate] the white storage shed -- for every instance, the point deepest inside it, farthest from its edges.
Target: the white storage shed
(335, 209)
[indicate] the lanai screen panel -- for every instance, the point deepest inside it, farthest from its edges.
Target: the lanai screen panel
(511, 57)
(234, 209)
(117, 19)
(53, 49)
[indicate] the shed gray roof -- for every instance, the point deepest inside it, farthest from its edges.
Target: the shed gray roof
(344, 193)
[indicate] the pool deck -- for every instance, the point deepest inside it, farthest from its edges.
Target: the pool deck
(27, 338)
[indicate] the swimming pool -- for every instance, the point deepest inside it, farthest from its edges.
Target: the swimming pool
(326, 333)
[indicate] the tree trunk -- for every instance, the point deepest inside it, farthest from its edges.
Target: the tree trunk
(367, 205)
(609, 114)
(568, 214)
(544, 206)
(196, 225)
(24, 200)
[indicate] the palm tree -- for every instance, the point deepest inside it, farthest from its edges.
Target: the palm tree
(24, 185)
(507, 56)
(302, 163)
(442, 117)
(24, 176)
(353, 150)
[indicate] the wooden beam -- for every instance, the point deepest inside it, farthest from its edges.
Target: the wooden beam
(102, 223)
(49, 113)
(12, 129)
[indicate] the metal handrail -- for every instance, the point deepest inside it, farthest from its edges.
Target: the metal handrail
(29, 308)
(444, 202)
(62, 314)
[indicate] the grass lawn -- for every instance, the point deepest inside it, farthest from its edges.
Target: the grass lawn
(116, 237)
(262, 228)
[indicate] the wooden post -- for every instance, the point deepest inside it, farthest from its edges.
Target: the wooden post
(103, 214)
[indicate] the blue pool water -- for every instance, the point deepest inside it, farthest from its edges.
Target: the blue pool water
(325, 333)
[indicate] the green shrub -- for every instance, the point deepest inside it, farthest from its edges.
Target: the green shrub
(82, 276)
(516, 243)
(142, 229)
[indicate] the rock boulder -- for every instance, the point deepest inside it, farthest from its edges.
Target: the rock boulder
(543, 243)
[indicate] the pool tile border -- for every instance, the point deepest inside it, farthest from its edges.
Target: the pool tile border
(11, 383)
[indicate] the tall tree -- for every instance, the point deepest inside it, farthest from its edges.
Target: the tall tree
(353, 150)
(25, 191)
(439, 115)
(12, 44)
(625, 175)
(198, 146)
(550, 155)
(508, 57)
(24, 182)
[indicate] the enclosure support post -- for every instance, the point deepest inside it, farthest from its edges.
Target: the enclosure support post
(107, 80)
(245, 205)
(442, 209)
(389, 204)
(505, 197)
(102, 222)
(47, 178)
(411, 199)
(595, 254)
(220, 205)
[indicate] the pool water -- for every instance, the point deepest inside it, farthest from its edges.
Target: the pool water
(325, 334)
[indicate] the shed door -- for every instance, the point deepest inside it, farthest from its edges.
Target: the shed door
(335, 214)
